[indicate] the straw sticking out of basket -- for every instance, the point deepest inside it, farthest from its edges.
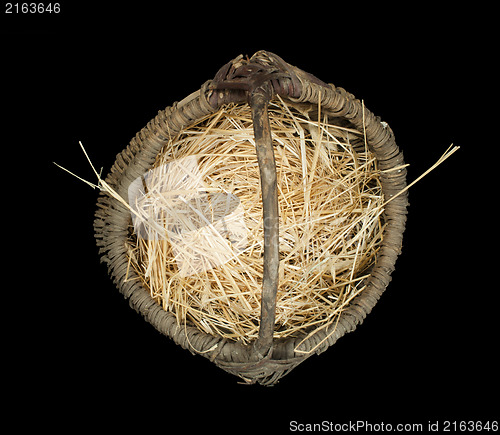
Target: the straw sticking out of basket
(258, 220)
(316, 283)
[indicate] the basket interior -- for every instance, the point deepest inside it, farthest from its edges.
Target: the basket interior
(197, 242)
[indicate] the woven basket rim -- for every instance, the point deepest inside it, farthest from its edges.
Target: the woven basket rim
(112, 221)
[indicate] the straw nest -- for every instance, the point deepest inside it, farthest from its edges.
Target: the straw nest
(198, 242)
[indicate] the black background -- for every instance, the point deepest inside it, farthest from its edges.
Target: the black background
(98, 74)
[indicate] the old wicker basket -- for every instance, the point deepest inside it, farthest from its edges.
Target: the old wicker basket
(257, 83)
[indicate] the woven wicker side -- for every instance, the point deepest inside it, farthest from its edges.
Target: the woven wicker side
(113, 219)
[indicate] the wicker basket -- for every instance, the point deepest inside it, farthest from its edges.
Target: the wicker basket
(255, 81)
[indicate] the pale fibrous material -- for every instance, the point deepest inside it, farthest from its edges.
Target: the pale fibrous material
(198, 239)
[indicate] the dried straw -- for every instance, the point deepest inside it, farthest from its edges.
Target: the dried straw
(331, 222)
(330, 206)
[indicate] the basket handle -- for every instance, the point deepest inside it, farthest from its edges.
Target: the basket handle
(239, 81)
(268, 180)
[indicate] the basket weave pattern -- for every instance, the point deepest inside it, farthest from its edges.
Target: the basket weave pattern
(232, 84)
